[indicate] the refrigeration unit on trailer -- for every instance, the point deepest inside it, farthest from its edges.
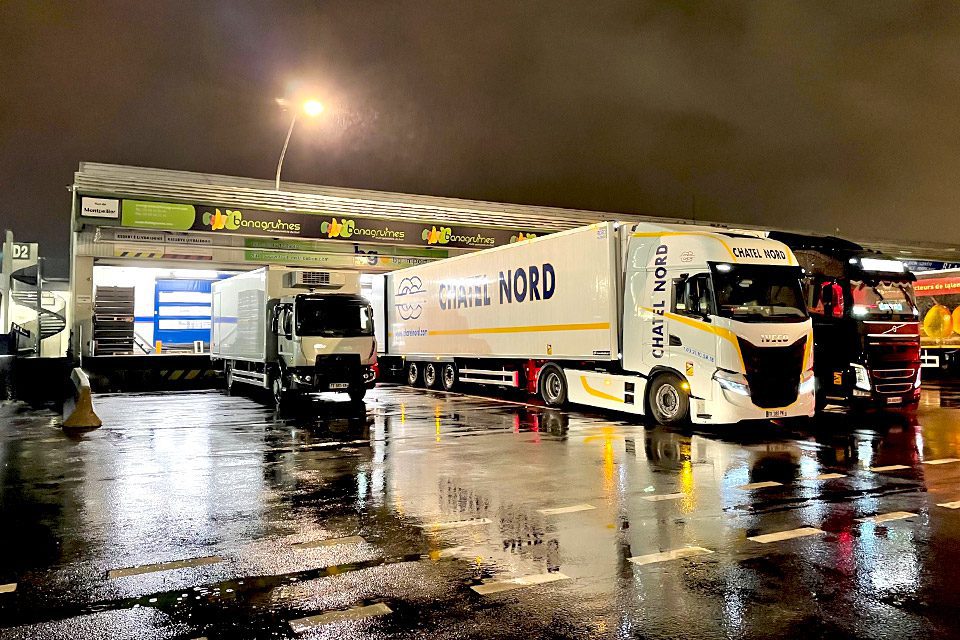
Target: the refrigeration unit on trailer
(294, 331)
(865, 322)
(673, 321)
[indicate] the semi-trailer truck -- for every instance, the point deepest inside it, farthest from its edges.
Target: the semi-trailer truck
(671, 321)
(938, 299)
(865, 322)
(294, 332)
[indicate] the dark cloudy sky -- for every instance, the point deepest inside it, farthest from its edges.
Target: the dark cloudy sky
(812, 115)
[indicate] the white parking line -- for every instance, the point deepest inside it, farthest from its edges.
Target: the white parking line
(329, 542)
(664, 496)
(8, 588)
(890, 467)
(570, 509)
(941, 461)
(759, 485)
(499, 586)
(886, 517)
(786, 535)
(950, 505)
(456, 524)
(163, 566)
(357, 613)
(673, 554)
(830, 476)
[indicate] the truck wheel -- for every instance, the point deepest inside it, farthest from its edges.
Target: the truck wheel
(356, 394)
(669, 403)
(553, 386)
(448, 376)
(281, 396)
(413, 374)
(430, 375)
(228, 375)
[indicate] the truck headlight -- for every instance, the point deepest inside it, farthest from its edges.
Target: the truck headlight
(862, 376)
(733, 382)
(916, 385)
(808, 383)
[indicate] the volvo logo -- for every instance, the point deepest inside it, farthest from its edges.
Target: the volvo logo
(773, 337)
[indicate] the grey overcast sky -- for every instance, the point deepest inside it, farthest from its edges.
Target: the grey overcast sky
(812, 115)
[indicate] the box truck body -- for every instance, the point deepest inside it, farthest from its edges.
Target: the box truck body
(294, 331)
(671, 320)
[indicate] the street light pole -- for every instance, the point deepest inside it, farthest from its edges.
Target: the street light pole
(283, 152)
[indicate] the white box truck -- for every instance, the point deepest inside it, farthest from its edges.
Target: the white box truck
(673, 321)
(294, 331)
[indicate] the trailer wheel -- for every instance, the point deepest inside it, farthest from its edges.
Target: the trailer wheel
(430, 375)
(553, 386)
(448, 376)
(228, 375)
(356, 394)
(413, 374)
(668, 401)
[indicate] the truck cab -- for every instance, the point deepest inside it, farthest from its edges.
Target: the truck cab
(720, 313)
(325, 342)
(865, 323)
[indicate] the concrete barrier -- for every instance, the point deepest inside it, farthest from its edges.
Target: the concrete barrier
(78, 411)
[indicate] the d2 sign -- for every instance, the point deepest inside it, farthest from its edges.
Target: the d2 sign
(21, 251)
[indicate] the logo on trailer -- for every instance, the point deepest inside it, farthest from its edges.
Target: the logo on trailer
(412, 289)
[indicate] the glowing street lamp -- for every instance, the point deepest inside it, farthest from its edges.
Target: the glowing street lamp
(312, 108)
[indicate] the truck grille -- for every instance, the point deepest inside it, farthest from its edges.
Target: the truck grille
(773, 372)
(893, 381)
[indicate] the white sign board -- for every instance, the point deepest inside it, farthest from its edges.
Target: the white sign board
(100, 208)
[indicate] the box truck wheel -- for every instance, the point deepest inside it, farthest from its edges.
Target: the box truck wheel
(553, 386)
(668, 401)
(413, 374)
(228, 375)
(430, 375)
(448, 376)
(281, 397)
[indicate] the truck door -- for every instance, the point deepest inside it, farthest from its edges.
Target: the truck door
(692, 345)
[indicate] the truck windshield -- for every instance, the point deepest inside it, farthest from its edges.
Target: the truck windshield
(758, 293)
(887, 299)
(334, 317)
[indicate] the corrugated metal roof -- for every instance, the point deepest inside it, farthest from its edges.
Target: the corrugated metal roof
(97, 179)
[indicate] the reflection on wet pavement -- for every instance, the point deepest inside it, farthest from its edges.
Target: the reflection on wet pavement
(427, 514)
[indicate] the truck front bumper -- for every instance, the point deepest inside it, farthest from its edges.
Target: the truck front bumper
(728, 407)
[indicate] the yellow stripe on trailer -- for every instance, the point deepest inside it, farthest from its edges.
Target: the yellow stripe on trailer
(534, 328)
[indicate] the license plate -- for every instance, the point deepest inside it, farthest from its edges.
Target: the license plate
(339, 385)
(894, 400)
(776, 414)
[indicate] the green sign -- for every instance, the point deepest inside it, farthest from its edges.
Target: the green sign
(157, 215)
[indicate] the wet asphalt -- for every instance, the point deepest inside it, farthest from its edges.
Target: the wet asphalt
(432, 515)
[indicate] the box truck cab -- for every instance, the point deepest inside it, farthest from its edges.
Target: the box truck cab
(295, 332)
(673, 321)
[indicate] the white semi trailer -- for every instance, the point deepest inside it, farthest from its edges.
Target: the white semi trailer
(678, 322)
(294, 331)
